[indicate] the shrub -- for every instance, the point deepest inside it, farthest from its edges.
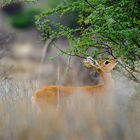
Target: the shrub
(104, 28)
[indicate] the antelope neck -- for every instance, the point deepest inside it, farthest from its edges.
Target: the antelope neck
(107, 78)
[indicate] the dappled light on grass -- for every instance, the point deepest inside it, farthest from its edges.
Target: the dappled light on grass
(78, 118)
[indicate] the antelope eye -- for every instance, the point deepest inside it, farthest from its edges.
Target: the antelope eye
(107, 62)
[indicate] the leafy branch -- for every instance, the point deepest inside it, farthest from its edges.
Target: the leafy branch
(104, 28)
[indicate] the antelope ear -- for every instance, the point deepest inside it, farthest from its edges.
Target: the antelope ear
(92, 62)
(89, 62)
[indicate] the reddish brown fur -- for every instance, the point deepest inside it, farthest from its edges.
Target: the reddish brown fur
(51, 93)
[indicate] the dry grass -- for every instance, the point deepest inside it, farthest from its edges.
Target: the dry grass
(79, 119)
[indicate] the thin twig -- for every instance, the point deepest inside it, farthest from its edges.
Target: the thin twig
(90, 4)
(64, 52)
(134, 77)
(110, 51)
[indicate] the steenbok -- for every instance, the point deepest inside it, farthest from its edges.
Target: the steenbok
(52, 93)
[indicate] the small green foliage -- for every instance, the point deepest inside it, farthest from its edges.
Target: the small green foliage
(104, 28)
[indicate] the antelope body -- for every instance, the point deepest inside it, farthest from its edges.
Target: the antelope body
(103, 67)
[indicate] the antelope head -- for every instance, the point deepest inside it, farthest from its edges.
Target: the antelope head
(101, 65)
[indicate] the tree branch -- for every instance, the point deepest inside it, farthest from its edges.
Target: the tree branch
(110, 51)
(90, 4)
(133, 76)
(69, 54)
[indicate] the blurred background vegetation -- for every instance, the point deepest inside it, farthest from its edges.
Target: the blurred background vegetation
(99, 29)
(43, 42)
(18, 21)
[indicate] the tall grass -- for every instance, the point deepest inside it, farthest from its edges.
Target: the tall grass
(77, 119)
